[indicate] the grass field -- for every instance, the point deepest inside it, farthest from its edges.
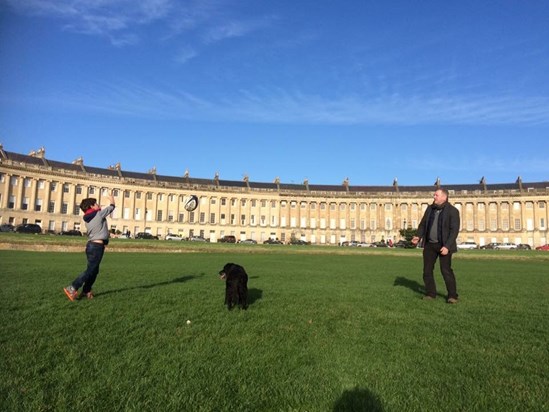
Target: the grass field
(325, 331)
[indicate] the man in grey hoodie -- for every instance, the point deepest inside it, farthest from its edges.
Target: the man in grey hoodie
(98, 237)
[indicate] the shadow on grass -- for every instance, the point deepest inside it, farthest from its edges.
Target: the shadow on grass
(358, 400)
(412, 285)
(181, 279)
(254, 295)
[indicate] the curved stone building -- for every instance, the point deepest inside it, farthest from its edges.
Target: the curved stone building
(34, 189)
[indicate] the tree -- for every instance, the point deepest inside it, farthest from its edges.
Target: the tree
(408, 233)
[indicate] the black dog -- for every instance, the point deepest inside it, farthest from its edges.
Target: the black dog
(236, 285)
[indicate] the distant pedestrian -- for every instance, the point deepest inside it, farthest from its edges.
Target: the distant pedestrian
(438, 231)
(98, 237)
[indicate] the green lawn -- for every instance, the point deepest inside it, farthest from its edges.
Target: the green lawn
(325, 331)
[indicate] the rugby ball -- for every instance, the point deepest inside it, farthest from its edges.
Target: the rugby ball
(190, 203)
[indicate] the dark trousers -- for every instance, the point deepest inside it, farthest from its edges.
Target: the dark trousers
(431, 252)
(94, 254)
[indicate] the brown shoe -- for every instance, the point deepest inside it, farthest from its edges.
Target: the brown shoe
(452, 301)
(427, 297)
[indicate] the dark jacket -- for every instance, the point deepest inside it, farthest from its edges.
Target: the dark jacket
(449, 226)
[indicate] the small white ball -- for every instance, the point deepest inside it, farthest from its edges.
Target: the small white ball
(188, 322)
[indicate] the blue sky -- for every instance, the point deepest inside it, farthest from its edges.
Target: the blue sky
(318, 90)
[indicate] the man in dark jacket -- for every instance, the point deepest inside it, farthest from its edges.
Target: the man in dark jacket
(438, 231)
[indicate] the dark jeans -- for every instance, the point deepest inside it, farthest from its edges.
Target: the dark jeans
(94, 253)
(431, 252)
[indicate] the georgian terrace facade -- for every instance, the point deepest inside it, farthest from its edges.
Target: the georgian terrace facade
(34, 189)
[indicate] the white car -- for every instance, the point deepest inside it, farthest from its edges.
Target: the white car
(467, 245)
(506, 246)
(172, 236)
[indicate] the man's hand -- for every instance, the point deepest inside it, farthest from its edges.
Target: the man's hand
(415, 240)
(444, 250)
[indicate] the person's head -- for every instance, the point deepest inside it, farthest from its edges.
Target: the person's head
(87, 204)
(440, 196)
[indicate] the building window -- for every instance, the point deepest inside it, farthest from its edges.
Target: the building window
(273, 204)
(41, 184)
(223, 201)
(517, 224)
(303, 205)
(127, 194)
(66, 188)
(263, 203)
(362, 224)
(13, 181)
(91, 190)
(159, 215)
(242, 220)
(372, 206)
(373, 225)
(313, 206)
(213, 201)
(481, 225)
(353, 224)
(149, 196)
(541, 205)
(138, 195)
(170, 216)
(38, 205)
(202, 217)
(181, 217)
(252, 220)
(363, 207)
(51, 207)
(470, 225)
(137, 213)
(233, 219)
(76, 209)
(542, 223)
(53, 186)
(388, 224)
(323, 206)
(293, 204)
(254, 203)
(342, 207)
(233, 202)
(388, 206)
(481, 206)
(11, 202)
(493, 225)
(404, 207)
(78, 190)
(25, 204)
(529, 205)
(243, 203)
(191, 217)
(212, 218)
(505, 224)
(64, 208)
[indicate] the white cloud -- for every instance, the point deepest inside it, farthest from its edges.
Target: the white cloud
(184, 55)
(279, 106)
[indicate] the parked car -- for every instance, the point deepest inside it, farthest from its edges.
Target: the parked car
(173, 236)
(145, 235)
(351, 243)
(467, 245)
(506, 246)
(71, 233)
(544, 247)
(248, 241)
(524, 246)
(227, 239)
(378, 244)
(28, 228)
(298, 242)
(197, 239)
(492, 245)
(363, 244)
(407, 244)
(6, 227)
(272, 242)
